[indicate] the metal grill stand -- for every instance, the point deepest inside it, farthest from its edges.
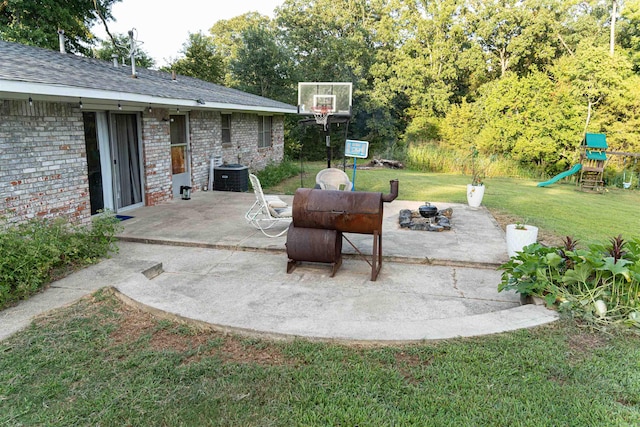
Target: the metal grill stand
(340, 211)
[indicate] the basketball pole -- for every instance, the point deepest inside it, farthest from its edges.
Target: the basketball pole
(327, 140)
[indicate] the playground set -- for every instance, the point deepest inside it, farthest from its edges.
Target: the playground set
(593, 156)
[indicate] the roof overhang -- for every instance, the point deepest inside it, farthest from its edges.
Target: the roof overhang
(102, 99)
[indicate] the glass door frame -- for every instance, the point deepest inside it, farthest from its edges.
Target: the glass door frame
(114, 155)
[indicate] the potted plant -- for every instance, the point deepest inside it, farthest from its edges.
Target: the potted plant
(520, 235)
(475, 190)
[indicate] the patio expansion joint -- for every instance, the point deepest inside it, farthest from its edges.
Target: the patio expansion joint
(385, 258)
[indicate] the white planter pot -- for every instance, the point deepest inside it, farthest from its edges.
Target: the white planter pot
(475, 193)
(518, 239)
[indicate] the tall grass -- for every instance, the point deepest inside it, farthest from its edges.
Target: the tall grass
(428, 157)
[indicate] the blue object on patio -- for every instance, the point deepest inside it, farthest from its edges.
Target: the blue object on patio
(123, 217)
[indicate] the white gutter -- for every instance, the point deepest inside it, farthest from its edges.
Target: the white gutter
(74, 94)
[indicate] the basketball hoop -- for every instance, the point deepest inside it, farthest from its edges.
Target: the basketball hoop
(322, 115)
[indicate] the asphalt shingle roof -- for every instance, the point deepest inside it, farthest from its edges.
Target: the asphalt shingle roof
(20, 63)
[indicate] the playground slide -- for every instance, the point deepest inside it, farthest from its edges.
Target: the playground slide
(561, 175)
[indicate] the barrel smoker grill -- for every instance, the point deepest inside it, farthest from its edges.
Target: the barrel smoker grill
(321, 216)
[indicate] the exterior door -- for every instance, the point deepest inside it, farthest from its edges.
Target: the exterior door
(127, 161)
(180, 164)
(96, 136)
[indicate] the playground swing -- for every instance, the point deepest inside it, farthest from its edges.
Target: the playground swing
(625, 184)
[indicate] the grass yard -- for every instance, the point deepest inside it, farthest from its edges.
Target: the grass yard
(558, 210)
(100, 362)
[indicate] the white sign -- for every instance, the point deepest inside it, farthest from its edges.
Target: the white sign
(355, 148)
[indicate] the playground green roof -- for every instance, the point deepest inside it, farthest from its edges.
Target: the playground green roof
(595, 140)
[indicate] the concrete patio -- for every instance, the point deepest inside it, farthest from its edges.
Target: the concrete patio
(198, 260)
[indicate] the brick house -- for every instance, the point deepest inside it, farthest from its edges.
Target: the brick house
(78, 135)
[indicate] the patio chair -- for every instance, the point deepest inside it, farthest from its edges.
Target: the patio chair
(333, 179)
(267, 210)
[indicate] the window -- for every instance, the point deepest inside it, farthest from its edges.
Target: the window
(226, 128)
(264, 131)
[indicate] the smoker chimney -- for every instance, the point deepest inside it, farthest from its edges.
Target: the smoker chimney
(114, 60)
(61, 40)
(394, 192)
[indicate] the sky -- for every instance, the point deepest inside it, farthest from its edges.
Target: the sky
(164, 25)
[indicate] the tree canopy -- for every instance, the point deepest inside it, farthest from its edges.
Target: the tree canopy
(36, 22)
(201, 60)
(517, 78)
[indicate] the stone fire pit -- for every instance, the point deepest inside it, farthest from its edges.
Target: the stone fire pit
(414, 221)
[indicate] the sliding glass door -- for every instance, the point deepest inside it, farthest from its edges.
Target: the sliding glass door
(127, 161)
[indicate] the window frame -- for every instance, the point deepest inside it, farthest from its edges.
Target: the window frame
(265, 136)
(225, 125)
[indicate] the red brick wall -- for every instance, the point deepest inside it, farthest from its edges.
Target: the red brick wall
(206, 141)
(156, 149)
(43, 168)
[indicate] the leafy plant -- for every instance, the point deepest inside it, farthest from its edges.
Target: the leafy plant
(273, 173)
(37, 252)
(600, 284)
(477, 173)
(520, 225)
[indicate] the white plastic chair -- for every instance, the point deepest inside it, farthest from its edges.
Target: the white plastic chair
(333, 179)
(267, 211)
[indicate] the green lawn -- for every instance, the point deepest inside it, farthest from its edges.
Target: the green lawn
(102, 363)
(560, 209)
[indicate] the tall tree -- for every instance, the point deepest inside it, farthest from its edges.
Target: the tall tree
(594, 75)
(584, 20)
(226, 36)
(629, 31)
(261, 66)
(330, 39)
(36, 22)
(516, 35)
(200, 59)
(426, 58)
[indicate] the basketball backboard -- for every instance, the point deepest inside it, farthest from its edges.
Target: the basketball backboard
(333, 98)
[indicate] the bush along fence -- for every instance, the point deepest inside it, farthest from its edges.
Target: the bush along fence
(600, 284)
(35, 253)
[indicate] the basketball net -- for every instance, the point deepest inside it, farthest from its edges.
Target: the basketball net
(322, 115)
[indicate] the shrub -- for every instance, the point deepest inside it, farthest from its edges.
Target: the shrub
(39, 251)
(274, 173)
(600, 284)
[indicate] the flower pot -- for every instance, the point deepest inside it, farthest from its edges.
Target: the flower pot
(519, 238)
(475, 193)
